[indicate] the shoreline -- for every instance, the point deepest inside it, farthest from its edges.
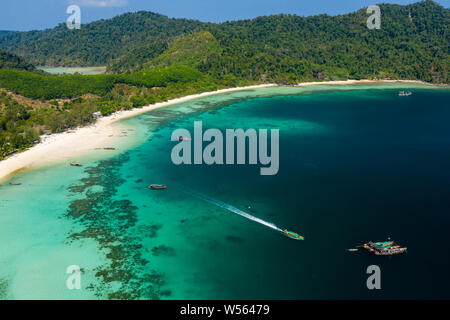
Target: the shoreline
(61, 146)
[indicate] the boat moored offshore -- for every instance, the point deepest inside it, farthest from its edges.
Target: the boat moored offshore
(157, 186)
(387, 248)
(404, 94)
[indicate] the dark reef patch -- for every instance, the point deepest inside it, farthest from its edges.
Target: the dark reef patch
(149, 231)
(112, 223)
(4, 285)
(234, 239)
(163, 250)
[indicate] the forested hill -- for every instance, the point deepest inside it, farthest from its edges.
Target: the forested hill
(413, 43)
(95, 43)
(11, 61)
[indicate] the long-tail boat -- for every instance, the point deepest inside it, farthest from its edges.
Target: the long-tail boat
(293, 235)
(76, 165)
(404, 94)
(158, 186)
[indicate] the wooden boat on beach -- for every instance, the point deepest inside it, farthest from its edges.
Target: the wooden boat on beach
(76, 165)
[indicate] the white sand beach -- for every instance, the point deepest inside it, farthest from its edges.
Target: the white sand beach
(65, 145)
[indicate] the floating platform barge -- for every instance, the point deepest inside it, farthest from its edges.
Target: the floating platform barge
(387, 248)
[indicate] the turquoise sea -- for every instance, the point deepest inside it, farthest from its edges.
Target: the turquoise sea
(357, 163)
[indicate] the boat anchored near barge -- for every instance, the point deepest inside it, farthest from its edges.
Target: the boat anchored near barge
(158, 187)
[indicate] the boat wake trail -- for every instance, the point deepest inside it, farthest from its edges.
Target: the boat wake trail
(233, 209)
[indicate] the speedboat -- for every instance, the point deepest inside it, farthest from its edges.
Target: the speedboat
(292, 235)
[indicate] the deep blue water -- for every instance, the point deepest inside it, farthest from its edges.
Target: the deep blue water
(354, 166)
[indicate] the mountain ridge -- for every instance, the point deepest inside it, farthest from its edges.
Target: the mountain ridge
(288, 48)
(411, 44)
